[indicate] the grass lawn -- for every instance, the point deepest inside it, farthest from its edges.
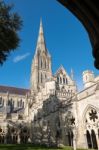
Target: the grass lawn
(29, 147)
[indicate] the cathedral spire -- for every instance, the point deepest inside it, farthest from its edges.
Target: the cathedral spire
(41, 46)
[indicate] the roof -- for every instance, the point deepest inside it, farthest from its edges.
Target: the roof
(13, 90)
(60, 70)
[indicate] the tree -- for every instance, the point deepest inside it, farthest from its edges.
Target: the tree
(10, 24)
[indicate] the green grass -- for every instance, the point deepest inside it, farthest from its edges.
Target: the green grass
(29, 147)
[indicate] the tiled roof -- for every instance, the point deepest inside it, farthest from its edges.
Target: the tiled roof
(13, 90)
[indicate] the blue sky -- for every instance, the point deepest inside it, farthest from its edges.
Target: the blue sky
(66, 40)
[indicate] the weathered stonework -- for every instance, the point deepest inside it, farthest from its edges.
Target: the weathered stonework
(52, 111)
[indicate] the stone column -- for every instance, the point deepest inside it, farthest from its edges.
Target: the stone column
(18, 139)
(74, 142)
(74, 139)
(97, 139)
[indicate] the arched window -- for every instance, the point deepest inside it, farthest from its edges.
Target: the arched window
(89, 141)
(18, 104)
(60, 80)
(70, 138)
(63, 80)
(41, 78)
(66, 81)
(45, 64)
(41, 63)
(13, 103)
(45, 77)
(94, 141)
(9, 102)
(0, 100)
(23, 104)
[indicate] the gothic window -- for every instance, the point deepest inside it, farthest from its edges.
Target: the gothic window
(89, 140)
(0, 100)
(13, 103)
(38, 78)
(60, 80)
(93, 115)
(18, 104)
(45, 77)
(23, 104)
(41, 63)
(41, 78)
(0, 130)
(64, 80)
(9, 102)
(94, 141)
(45, 64)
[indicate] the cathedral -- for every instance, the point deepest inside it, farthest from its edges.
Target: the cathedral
(52, 112)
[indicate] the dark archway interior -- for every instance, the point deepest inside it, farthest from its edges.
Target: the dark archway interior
(91, 139)
(70, 138)
(87, 11)
(88, 139)
(94, 139)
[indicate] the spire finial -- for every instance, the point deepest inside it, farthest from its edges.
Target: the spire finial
(41, 21)
(41, 41)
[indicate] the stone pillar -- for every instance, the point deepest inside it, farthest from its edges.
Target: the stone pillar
(18, 139)
(74, 142)
(86, 144)
(97, 139)
(74, 139)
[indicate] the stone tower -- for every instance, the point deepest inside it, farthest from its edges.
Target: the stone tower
(41, 64)
(88, 78)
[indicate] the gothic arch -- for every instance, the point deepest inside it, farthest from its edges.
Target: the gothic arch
(86, 110)
(87, 13)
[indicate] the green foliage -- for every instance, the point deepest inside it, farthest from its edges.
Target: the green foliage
(10, 24)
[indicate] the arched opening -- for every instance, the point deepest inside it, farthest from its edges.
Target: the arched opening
(57, 79)
(87, 13)
(64, 80)
(24, 136)
(94, 141)
(14, 139)
(60, 80)
(89, 142)
(1, 139)
(45, 64)
(70, 138)
(41, 78)
(41, 63)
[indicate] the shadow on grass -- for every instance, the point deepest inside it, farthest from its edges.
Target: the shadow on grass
(27, 147)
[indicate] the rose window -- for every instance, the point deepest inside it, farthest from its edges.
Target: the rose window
(93, 115)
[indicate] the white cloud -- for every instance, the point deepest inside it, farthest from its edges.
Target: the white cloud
(20, 57)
